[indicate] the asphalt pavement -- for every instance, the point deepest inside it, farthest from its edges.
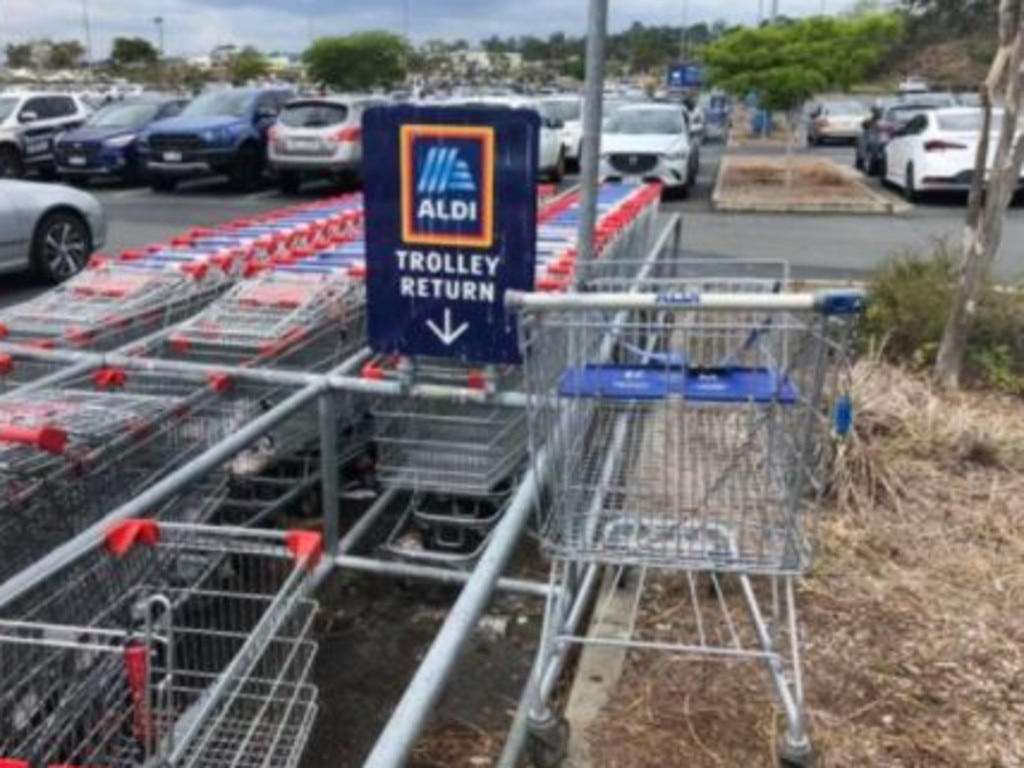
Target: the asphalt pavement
(818, 246)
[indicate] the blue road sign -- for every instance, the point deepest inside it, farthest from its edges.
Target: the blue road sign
(685, 76)
(451, 225)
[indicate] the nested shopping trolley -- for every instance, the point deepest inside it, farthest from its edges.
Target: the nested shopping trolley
(163, 644)
(72, 452)
(687, 435)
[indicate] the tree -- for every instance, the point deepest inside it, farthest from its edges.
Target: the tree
(785, 65)
(19, 56)
(248, 64)
(66, 54)
(358, 62)
(992, 188)
(133, 51)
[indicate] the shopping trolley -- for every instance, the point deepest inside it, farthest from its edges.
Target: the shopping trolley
(110, 303)
(687, 437)
(16, 370)
(70, 454)
(163, 644)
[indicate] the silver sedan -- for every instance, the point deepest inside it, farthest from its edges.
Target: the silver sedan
(49, 228)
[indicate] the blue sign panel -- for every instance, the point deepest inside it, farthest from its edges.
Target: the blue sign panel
(451, 225)
(685, 76)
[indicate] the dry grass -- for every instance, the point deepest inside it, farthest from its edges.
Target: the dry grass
(915, 639)
(814, 182)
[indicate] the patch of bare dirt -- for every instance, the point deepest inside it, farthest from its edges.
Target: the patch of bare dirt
(914, 652)
(811, 182)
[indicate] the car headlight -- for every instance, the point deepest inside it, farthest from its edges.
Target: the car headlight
(119, 142)
(677, 155)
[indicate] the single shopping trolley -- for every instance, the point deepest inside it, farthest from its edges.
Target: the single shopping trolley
(687, 436)
(163, 644)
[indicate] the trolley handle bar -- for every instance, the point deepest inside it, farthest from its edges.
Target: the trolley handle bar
(48, 439)
(829, 302)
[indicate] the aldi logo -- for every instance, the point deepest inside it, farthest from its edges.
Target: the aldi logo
(447, 195)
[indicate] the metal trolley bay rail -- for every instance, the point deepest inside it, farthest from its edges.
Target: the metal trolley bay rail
(690, 435)
(163, 644)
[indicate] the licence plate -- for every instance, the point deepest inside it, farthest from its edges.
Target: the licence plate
(77, 160)
(303, 145)
(172, 157)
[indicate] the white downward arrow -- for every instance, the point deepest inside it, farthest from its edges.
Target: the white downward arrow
(447, 336)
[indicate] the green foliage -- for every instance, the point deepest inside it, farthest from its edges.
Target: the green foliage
(19, 56)
(358, 62)
(787, 64)
(248, 64)
(132, 51)
(910, 299)
(66, 54)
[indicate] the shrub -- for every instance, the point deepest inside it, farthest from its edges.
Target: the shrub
(910, 299)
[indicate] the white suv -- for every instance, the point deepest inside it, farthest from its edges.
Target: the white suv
(29, 123)
(650, 142)
(319, 136)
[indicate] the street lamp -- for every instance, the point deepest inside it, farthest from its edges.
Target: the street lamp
(159, 22)
(88, 32)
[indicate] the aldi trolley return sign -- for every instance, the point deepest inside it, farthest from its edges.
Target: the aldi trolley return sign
(451, 225)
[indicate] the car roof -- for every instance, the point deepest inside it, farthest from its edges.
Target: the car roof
(658, 106)
(34, 94)
(336, 98)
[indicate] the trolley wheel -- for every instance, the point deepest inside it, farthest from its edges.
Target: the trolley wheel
(549, 743)
(796, 757)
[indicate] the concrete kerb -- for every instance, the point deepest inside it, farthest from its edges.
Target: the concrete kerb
(879, 203)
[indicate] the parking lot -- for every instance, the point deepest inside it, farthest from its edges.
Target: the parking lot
(817, 246)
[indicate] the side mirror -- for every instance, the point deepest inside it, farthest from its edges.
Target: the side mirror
(28, 117)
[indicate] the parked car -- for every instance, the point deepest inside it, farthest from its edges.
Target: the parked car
(220, 132)
(551, 163)
(935, 151)
(649, 142)
(837, 120)
(29, 123)
(107, 144)
(49, 228)
(569, 111)
(320, 136)
(878, 130)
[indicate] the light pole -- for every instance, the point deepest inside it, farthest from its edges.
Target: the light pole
(684, 37)
(88, 33)
(158, 21)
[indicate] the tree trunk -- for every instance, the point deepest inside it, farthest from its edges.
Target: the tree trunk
(791, 124)
(991, 191)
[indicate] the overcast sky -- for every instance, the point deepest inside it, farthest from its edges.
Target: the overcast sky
(195, 26)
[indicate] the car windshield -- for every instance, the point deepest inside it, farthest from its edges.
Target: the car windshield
(562, 110)
(7, 106)
(901, 114)
(220, 103)
(638, 122)
(845, 108)
(124, 116)
(313, 114)
(933, 99)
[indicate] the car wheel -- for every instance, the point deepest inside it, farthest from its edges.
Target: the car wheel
(288, 182)
(910, 192)
(135, 174)
(858, 161)
(11, 166)
(61, 246)
(247, 170)
(162, 183)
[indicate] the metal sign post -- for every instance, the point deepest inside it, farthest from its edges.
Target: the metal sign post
(451, 225)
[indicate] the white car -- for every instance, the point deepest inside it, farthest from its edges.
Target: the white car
(49, 228)
(935, 151)
(649, 142)
(29, 123)
(551, 163)
(568, 110)
(319, 136)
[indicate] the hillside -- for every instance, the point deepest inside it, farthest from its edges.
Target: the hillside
(956, 64)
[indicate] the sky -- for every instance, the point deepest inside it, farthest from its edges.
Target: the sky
(194, 27)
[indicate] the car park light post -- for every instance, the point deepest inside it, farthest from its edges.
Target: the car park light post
(597, 29)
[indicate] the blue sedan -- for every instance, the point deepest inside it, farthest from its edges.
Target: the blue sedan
(107, 144)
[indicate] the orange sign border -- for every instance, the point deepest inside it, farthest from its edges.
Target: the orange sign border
(482, 133)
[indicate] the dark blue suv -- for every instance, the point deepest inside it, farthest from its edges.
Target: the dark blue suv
(220, 132)
(107, 143)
